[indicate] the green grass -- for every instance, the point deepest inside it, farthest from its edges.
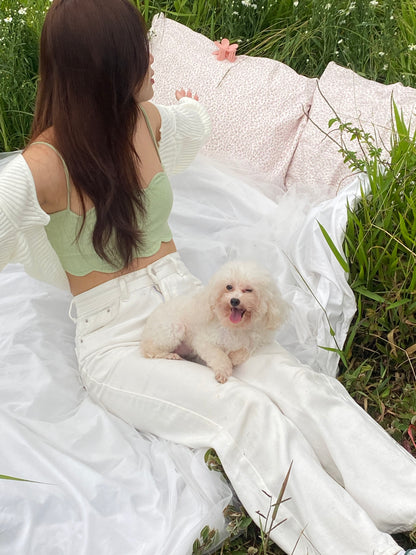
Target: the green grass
(378, 41)
(380, 245)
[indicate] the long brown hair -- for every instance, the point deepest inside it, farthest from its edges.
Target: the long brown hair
(94, 56)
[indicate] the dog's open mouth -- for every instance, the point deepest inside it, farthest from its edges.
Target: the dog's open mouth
(236, 315)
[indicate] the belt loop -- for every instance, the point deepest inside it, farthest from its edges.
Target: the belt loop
(152, 274)
(124, 291)
(157, 283)
(177, 262)
(72, 304)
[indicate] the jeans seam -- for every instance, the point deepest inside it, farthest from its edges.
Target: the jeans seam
(220, 428)
(143, 395)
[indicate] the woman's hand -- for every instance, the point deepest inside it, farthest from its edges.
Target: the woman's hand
(181, 93)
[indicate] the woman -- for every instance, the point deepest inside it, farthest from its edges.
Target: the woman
(93, 176)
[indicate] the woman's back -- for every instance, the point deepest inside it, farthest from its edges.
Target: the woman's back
(54, 192)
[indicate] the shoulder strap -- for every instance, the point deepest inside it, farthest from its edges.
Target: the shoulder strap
(68, 186)
(146, 117)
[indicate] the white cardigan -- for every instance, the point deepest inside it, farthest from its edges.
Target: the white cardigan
(185, 127)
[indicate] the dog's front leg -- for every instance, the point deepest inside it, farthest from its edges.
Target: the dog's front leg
(240, 356)
(215, 358)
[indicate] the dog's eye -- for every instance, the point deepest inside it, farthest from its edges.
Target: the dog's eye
(248, 290)
(229, 287)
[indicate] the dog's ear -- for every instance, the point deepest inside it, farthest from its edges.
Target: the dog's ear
(213, 293)
(276, 309)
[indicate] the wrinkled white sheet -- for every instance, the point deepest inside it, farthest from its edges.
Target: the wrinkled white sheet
(107, 488)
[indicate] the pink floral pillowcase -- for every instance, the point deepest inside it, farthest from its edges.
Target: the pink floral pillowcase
(258, 106)
(317, 168)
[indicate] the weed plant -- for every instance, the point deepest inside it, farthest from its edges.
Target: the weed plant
(380, 245)
(376, 39)
(19, 36)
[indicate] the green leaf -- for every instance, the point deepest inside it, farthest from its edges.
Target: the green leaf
(335, 251)
(404, 232)
(245, 523)
(369, 294)
(4, 477)
(337, 351)
(397, 304)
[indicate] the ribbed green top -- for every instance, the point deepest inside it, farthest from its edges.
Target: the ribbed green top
(78, 256)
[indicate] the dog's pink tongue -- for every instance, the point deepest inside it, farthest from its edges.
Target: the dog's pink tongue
(236, 315)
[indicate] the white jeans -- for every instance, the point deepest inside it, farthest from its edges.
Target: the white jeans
(351, 484)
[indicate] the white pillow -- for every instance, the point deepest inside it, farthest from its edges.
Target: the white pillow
(257, 105)
(317, 168)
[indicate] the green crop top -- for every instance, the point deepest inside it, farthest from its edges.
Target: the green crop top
(78, 257)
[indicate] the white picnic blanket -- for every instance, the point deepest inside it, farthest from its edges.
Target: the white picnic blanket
(105, 487)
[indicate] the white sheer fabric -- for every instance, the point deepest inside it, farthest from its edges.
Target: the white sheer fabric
(107, 488)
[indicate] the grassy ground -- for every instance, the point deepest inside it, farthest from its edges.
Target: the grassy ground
(377, 39)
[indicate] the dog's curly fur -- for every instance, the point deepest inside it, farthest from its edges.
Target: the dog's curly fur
(222, 324)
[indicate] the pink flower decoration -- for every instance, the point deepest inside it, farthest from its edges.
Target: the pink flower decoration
(225, 50)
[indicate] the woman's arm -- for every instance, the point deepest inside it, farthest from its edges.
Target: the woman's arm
(8, 240)
(18, 207)
(22, 221)
(184, 128)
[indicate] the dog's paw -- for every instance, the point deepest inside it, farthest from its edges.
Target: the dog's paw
(221, 378)
(222, 374)
(168, 356)
(173, 356)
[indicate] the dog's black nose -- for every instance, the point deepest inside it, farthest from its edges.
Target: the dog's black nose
(235, 302)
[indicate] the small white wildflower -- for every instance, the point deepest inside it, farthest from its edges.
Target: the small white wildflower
(8, 19)
(327, 6)
(22, 11)
(392, 17)
(352, 6)
(381, 53)
(385, 67)
(374, 3)
(412, 46)
(236, 13)
(296, 4)
(340, 41)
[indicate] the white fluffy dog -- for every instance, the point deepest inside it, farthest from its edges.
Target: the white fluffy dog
(222, 324)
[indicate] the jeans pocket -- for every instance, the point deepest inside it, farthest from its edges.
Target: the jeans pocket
(96, 320)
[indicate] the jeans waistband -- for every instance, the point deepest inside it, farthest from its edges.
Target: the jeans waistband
(151, 275)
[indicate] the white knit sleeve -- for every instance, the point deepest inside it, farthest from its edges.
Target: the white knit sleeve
(185, 128)
(19, 209)
(8, 240)
(22, 225)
